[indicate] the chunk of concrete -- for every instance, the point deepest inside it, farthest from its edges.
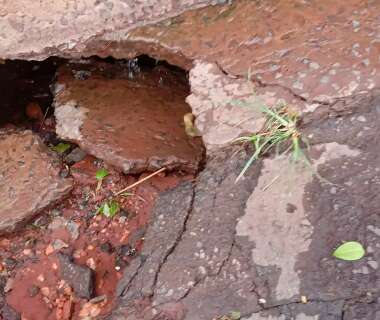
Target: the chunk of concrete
(29, 178)
(135, 124)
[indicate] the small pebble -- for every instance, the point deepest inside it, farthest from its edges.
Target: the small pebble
(41, 278)
(33, 291)
(45, 291)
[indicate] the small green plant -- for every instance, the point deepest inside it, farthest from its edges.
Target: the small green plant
(109, 209)
(349, 251)
(280, 128)
(100, 175)
(61, 147)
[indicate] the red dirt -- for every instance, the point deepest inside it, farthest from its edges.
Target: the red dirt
(38, 266)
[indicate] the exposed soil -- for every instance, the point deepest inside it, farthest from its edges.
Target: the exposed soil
(32, 274)
(107, 245)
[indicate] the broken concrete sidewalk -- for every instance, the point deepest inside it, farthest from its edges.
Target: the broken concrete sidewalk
(29, 178)
(263, 247)
(132, 122)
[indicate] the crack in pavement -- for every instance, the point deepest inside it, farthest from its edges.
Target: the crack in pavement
(177, 241)
(263, 84)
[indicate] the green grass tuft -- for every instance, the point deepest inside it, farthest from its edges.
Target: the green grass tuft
(279, 131)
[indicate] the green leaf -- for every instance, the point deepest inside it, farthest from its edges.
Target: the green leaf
(349, 251)
(101, 174)
(109, 209)
(61, 147)
(235, 315)
(113, 208)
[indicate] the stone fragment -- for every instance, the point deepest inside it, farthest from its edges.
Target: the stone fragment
(73, 228)
(89, 310)
(80, 278)
(134, 124)
(58, 244)
(29, 178)
(75, 156)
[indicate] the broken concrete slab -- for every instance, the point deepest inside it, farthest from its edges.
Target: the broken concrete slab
(235, 35)
(227, 107)
(192, 268)
(29, 178)
(315, 62)
(264, 246)
(62, 28)
(323, 54)
(135, 124)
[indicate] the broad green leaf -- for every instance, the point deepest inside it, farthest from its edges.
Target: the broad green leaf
(101, 174)
(349, 251)
(235, 315)
(61, 147)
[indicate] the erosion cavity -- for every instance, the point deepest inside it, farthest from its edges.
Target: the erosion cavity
(128, 113)
(60, 122)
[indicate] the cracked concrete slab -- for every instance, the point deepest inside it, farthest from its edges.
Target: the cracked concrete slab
(205, 260)
(134, 122)
(263, 247)
(227, 107)
(325, 52)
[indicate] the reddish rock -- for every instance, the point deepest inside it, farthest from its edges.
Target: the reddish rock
(134, 124)
(29, 178)
(80, 278)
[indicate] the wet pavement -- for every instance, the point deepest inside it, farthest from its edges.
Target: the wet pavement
(263, 247)
(191, 244)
